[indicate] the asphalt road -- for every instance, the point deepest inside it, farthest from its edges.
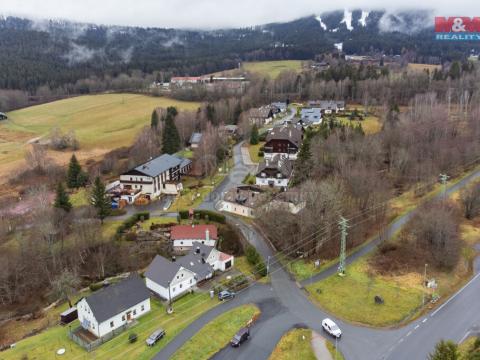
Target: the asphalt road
(284, 306)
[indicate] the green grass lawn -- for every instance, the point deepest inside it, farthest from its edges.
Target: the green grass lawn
(45, 344)
(186, 153)
(336, 355)
(79, 197)
(216, 334)
(157, 220)
(242, 265)
(303, 269)
(294, 345)
(370, 124)
(272, 68)
(253, 151)
(352, 297)
(105, 121)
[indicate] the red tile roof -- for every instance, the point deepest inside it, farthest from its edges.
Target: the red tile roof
(196, 232)
(225, 257)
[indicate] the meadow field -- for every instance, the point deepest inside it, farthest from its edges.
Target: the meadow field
(101, 123)
(272, 68)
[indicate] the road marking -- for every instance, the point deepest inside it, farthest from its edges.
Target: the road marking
(409, 333)
(453, 297)
(424, 320)
(467, 334)
(400, 341)
(416, 327)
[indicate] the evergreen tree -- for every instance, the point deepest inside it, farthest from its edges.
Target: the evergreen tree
(100, 199)
(445, 350)
(171, 138)
(455, 70)
(254, 135)
(172, 111)
(303, 165)
(73, 172)
(154, 120)
(62, 200)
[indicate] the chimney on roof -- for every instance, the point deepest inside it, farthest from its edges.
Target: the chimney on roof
(197, 250)
(207, 235)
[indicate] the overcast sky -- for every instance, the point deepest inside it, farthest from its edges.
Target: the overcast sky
(211, 13)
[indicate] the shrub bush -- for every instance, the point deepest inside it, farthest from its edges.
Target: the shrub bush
(261, 154)
(117, 212)
(253, 257)
(261, 269)
(95, 286)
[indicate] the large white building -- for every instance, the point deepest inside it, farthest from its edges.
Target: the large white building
(157, 176)
(170, 279)
(274, 172)
(113, 307)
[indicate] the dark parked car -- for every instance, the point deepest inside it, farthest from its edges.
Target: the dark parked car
(240, 337)
(155, 336)
(226, 294)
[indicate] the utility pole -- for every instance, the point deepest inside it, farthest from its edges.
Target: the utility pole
(268, 264)
(424, 283)
(343, 224)
(443, 179)
(169, 310)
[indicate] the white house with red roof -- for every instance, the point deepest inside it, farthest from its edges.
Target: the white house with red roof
(183, 236)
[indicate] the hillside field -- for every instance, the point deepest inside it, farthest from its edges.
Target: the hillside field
(101, 123)
(272, 68)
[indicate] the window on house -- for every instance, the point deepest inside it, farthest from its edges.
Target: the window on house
(173, 289)
(134, 312)
(190, 281)
(111, 324)
(181, 286)
(143, 307)
(123, 318)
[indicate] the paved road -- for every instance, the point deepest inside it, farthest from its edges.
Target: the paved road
(284, 305)
(234, 178)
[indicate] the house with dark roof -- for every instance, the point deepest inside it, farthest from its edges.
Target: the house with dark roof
(115, 306)
(170, 279)
(157, 176)
(244, 200)
(259, 116)
(183, 236)
(284, 140)
(195, 140)
(274, 172)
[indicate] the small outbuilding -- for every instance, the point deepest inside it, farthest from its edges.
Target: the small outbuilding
(3, 116)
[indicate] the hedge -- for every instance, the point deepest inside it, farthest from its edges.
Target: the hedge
(205, 215)
(132, 220)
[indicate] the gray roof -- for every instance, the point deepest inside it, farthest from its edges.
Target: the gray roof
(311, 114)
(250, 196)
(280, 105)
(159, 165)
(281, 164)
(328, 104)
(162, 270)
(194, 262)
(195, 138)
(117, 298)
(184, 162)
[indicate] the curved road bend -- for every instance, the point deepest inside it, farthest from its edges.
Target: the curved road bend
(290, 307)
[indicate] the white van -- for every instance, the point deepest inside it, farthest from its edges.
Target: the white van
(330, 327)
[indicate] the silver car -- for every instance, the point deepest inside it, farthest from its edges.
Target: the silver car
(155, 336)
